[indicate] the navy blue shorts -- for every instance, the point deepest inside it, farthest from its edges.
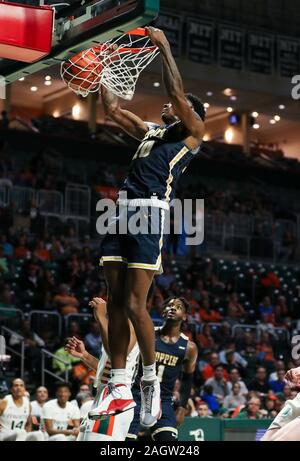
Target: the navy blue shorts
(135, 237)
(167, 422)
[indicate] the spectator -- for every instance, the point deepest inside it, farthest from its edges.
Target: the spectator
(74, 329)
(204, 339)
(266, 308)
(207, 314)
(260, 383)
(7, 297)
(164, 280)
(218, 383)
(21, 250)
(85, 402)
(92, 340)
(235, 311)
(279, 365)
(266, 325)
(278, 384)
(281, 311)
(209, 369)
(8, 249)
(32, 343)
(252, 410)
(31, 284)
(82, 374)
(210, 399)
(65, 302)
(234, 377)
(264, 348)
(269, 406)
(234, 356)
(41, 252)
(203, 410)
(223, 336)
(62, 360)
(157, 306)
(235, 398)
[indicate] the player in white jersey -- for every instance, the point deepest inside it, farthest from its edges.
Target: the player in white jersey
(15, 416)
(37, 407)
(60, 414)
(113, 428)
(286, 425)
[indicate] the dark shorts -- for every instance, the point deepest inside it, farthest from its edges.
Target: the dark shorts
(135, 238)
(167, 422)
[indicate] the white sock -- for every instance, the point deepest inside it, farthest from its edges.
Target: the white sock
(118, 376)
(149, 372)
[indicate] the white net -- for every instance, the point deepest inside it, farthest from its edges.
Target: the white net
(116, 64)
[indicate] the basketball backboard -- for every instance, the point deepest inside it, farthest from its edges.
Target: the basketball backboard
(81, 24)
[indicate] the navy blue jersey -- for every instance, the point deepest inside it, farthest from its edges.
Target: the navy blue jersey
(169, 361)
(159, 161)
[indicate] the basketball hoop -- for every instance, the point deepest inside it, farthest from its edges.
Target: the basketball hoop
(115, 64)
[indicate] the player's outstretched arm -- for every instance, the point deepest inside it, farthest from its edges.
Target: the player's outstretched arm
(175, 90)
(293, 376)
(129, 122)
(188, 370)
(76, 348)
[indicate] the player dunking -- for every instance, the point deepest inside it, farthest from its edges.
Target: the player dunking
(175, 354)
(130, 261)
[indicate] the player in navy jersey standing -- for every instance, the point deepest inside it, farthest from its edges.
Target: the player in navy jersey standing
(131, 260)
(176, 357)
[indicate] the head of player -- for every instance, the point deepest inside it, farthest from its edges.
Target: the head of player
(169, 116)
(42, 394)
(63, 394)
(18, 388)
(175, 311)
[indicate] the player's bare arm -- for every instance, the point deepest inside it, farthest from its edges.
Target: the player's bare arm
(175, 90)
(76, 348)
(51, 431)
(129, 122)
(189, 367)
(28, 425)
(190, 358)
(3, 404)
(100, 314)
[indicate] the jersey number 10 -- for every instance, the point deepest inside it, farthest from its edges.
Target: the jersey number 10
(144, 149)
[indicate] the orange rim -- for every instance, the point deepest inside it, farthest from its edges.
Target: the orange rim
(140, 31)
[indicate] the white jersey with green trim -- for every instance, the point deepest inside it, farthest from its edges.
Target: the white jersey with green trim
(104, 367)
(14, 417)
